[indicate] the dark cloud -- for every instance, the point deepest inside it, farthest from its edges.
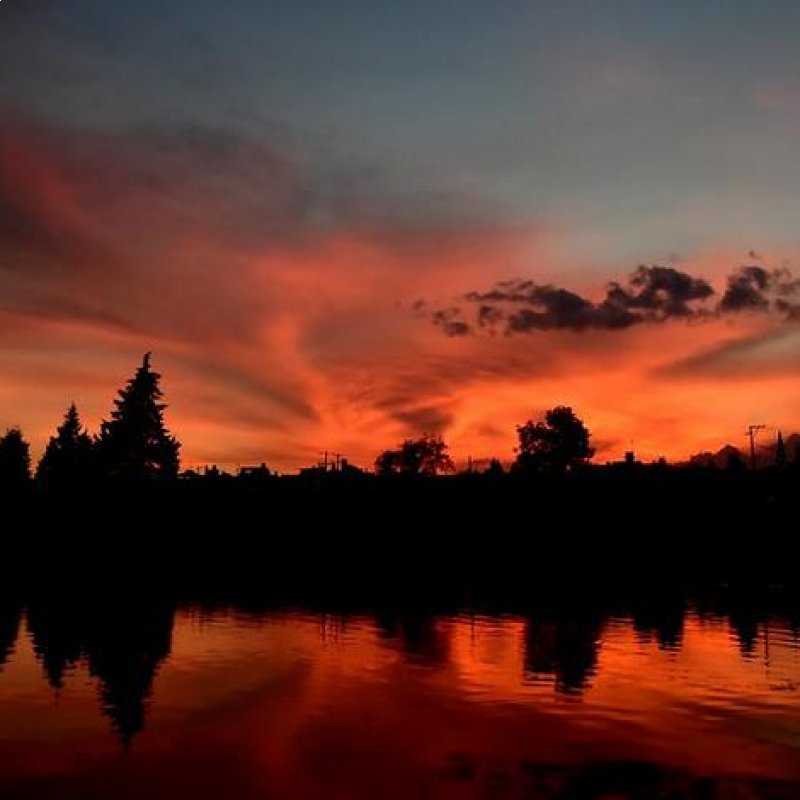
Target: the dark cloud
(544, 307)
(746, 290)
(651, 294)
(450, 320)
(488, 316)
(754, 288)
(664, 291)
(426, 419)
(559, 309)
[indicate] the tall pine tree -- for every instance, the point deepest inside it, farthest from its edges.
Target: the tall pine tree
(68, 457)
(135, 444)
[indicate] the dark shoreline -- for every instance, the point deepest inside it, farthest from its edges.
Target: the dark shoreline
(590, 535)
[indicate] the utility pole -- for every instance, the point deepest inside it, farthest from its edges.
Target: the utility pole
(752, 432)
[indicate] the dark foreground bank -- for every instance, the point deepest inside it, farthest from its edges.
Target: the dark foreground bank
(468, 536)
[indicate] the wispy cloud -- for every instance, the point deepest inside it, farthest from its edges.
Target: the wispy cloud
(272, 294)
(774, 353)
(279, 301)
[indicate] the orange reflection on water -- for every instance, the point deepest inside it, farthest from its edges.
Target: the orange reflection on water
(298, 706)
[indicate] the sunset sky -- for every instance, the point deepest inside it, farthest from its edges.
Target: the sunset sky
(339, 224)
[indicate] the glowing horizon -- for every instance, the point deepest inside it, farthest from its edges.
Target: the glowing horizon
(263, 196)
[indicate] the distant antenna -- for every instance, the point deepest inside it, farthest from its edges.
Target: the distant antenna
(332, 462)
(752, 432)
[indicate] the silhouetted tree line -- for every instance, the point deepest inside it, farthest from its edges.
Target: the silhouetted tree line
(555, 446)
(133, 444)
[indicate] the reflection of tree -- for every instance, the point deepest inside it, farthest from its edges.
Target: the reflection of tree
(793, 617)
(664, 619)
(745, 623)
(54, 630)
(565, 647)
(10, 615)
(418, 633)
(123, 645)
(540, 648)
(124, 650)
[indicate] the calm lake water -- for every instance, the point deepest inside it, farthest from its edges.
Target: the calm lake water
(198, 702)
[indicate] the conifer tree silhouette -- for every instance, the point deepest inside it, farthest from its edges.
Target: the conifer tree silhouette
(15, 459)
(69, 454)
(135, 444)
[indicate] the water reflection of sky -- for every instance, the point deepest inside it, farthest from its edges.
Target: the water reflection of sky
(304, 705)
